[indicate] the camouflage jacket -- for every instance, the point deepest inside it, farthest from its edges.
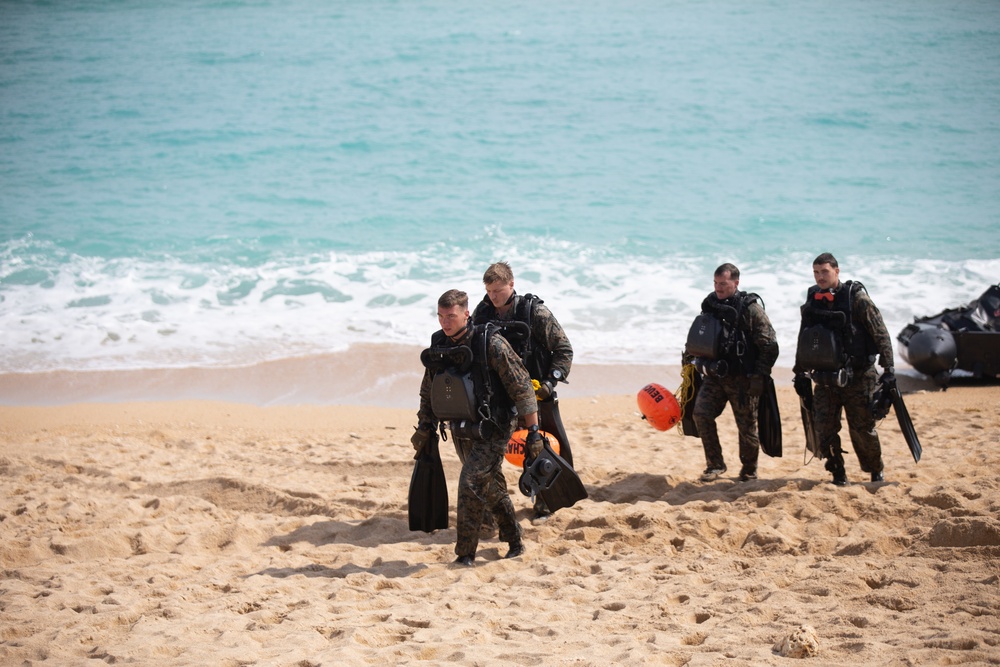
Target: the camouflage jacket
(764, 338)
(866, 314)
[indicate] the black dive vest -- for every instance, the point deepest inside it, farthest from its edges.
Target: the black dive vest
(718, 338)
(517, 330)
(829, 339)
(464, 389)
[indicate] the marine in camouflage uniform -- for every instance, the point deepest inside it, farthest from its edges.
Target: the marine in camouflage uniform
(482, 487)
(548, 354)
(742, 384)
(869, 337)
(548, 335)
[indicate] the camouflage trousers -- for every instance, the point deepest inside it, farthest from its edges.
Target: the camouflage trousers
(709, 404)
(854, 400)
(482, 491)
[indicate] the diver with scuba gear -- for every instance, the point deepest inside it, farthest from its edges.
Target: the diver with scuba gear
(476, 384)
(733, 346)
(536, 335)
(841, 335)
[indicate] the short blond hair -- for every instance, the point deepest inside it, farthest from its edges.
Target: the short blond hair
(499, 272)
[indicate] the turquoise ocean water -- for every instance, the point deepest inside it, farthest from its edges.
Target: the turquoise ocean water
(220, 183)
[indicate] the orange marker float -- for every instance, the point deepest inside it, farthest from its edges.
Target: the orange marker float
(659, 407)
(515, 446)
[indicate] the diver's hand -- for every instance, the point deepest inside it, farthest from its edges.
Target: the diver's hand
(421, 436)
(533, 443)
(756, 387)
(803, 385)
(544, 390)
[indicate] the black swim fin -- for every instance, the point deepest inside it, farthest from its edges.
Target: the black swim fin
(769, 420)
(428, 499)
(549, 477)
(886, 396)
(905, 425)
(688, 395)
(806, 411)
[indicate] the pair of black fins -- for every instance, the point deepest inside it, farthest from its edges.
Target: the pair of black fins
(548, 477)
(768, 416)
(886, 395)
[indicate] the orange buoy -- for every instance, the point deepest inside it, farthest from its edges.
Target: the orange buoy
(515, 446)
(658, 406)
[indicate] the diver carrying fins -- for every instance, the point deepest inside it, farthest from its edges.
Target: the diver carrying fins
(841, 337)
(548, 476)
(887, 396)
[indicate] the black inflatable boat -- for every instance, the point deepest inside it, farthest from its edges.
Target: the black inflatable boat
(966, 338)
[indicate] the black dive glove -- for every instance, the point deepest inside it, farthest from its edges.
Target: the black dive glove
(756, 387)
(533, 443)
(422, 436)
(544, 390)
(803, 385)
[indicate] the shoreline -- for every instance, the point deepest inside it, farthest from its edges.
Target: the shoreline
(142, 417)
(378, 375)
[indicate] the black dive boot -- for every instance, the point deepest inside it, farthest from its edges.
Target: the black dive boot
(839, 473)
(516, 548)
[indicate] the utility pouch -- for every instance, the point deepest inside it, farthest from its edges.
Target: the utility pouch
(705, 337)
(453, 396)
(820, 349)
(712, 369)
(838, 378)
(470, 430)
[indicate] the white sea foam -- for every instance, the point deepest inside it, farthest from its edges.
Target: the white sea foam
(127, 313)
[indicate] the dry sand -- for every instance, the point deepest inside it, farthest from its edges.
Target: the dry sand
(212, 533)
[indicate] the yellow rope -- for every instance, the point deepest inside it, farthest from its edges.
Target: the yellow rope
(685, 392)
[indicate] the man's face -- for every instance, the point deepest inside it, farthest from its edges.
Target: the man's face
(499, 292)
(452, 319)
(725, 286)
(826, 276)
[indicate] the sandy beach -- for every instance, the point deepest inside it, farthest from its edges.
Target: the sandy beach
(197, 532)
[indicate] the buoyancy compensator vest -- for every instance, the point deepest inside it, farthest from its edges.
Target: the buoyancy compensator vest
(830, 341)
(719, 337)
(465, 391)
(517, 330)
